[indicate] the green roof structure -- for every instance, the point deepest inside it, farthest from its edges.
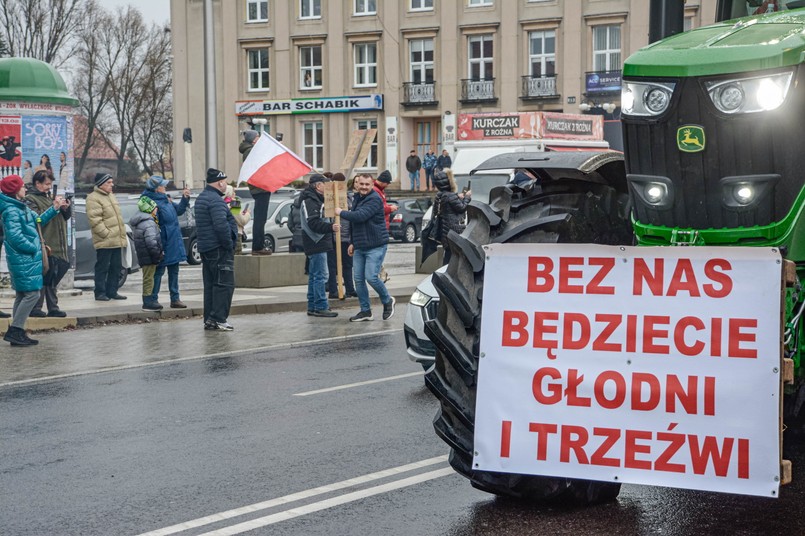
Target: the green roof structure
(31, 80)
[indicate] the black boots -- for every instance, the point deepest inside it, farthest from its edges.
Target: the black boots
(18, 337)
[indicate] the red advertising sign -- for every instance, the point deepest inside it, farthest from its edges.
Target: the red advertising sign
(529, 126)
(571, 126)
(515, 126)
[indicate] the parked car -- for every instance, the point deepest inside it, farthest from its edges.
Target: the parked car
(85, 252)
(422, 306)
(278, 235)
(406, 222)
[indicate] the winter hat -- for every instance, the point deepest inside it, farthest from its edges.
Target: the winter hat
(384, 176)
(101, 178)
(441, 181)
(250, 135)
(155, 181)
(214, 175)
(146, 204)
(318, 178)
(11, 184)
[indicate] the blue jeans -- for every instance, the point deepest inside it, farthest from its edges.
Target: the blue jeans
(414, 176)
(316, 278)
(173, 282)
(366, 265)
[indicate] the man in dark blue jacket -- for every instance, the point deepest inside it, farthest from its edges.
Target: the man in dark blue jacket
(217, 236)
(317, 237)
(370, 238)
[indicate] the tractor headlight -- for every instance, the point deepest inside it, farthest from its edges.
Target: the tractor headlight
(646, 98)
(747, 95)
(744, 194)
(419, 298)
(655, 192)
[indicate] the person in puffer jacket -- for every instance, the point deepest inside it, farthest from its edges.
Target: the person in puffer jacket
(23, 253)
(449, 207)
(145, 234)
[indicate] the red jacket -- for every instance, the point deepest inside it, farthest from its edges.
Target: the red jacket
(386, 207)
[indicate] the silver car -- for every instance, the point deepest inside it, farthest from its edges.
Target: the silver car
(278, 235)
(422, 306)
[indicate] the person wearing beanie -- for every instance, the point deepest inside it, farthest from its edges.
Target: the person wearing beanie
(171, 235)
(148, 245)
(381, 183)
(317, 237)
(261, 199)
(108, 237)
(39, 199)
(217, 236)
(23, 253)
(413, 164)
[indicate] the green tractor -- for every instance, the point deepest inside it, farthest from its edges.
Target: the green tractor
(713, 157)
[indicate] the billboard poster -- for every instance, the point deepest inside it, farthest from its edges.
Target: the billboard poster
(45, 144)
(10, 154)
(483, 126)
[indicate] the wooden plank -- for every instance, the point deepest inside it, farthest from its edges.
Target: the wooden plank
(789, 273)
(788, 370)
(330, 199)
(785, 472)
(355, 144)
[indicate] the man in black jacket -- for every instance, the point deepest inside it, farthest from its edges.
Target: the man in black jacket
(368, 245)
(261, 199)
(217, 237)
(317, 236)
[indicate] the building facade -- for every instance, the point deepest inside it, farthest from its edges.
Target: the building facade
(316, 70)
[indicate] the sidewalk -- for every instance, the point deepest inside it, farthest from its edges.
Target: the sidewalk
(83, 310)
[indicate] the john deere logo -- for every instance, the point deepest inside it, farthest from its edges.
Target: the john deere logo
(690, 139)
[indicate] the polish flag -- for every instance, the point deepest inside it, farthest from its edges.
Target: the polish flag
(270, 165)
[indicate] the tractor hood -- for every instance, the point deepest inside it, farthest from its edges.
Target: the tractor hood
(741, 45)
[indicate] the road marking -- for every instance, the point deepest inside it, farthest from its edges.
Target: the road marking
(230, 353)
(328, 503)
(359, 384)
(293, 497)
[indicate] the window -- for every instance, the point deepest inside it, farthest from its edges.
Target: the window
(310, 67)
(542, 53)
(365, 7)
(258, 69)
(256, 10)
(310, 9)
(261, 125)
(480, 58)
(366, 124)
(607, 48)
(366, 64)
(421, 5)
(313, 144)
(421, 60)
(475, 3)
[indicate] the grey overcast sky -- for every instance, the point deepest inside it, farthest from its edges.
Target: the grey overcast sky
(153, 10)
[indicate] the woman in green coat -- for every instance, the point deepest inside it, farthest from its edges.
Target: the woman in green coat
(23, 253)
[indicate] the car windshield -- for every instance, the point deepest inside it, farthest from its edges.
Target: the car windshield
(743, 8)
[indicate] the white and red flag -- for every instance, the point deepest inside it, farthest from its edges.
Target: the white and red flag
(270, 165)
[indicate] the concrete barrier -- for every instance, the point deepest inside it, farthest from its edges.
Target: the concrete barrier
(264, 271)
(431, 263)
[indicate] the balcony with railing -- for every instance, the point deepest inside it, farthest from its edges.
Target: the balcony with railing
(419, 94)
(478, 91)
(539, 88)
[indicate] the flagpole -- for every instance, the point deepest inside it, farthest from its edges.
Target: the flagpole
(338, 268)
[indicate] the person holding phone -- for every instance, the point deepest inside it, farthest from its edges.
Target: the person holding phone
(171, 234)
(449, 206)
(241, 215)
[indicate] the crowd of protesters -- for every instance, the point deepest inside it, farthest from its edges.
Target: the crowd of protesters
(34, 234)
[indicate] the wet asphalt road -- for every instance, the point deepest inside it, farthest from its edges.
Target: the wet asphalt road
(145, 448)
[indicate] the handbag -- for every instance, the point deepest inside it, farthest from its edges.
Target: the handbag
(45, 251)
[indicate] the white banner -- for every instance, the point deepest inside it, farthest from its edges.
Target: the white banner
(357, 103)
(643, 365)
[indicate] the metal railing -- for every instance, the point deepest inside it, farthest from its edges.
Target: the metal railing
(478, 90)
(539, 86)
(419, 93)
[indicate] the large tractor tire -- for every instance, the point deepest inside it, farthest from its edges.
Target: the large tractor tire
(564, 211)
